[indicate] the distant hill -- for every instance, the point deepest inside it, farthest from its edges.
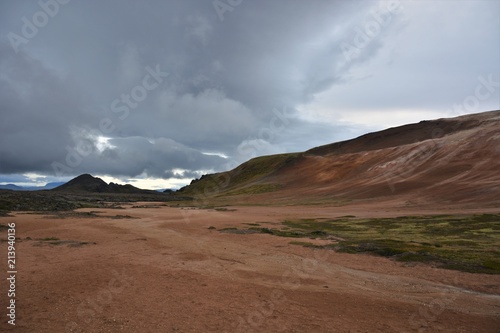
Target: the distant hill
(90, 184)
(449, 160)
(12, 187)
(48, 186)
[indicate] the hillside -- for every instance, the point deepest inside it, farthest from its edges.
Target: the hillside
(451, 161)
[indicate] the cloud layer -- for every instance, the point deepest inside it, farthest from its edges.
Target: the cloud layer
(172, 89)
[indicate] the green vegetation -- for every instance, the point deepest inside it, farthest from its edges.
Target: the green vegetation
(56, 241)
(224, 209)
(468, 243)
(259, 167)
(71, 214)
(255, 189)
(49, 201)
(233, 182)
(239, 231)
(228, 229)
(287, 232)
(48, 239)
(91, 214)
(119, 217)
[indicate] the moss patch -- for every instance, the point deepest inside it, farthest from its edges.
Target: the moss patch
(469, 243)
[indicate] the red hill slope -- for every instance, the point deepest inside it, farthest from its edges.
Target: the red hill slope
(453, 161)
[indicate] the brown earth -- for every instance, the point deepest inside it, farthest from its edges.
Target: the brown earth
(165, 271)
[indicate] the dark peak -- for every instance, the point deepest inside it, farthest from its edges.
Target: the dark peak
(87, 177)
(85, 183)
(89, 183)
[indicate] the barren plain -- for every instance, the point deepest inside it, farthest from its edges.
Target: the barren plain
(153, 268)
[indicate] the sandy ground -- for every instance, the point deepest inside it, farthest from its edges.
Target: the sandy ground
(165, 271)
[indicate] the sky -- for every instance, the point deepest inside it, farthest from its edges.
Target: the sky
(155, 93)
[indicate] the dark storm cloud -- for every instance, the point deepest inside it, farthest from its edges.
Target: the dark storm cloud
(36, 108)
(158, 158)
(80, 93)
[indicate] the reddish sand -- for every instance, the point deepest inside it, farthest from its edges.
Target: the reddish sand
(165, 271)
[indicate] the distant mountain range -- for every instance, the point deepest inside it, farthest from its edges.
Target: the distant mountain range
(48, 186)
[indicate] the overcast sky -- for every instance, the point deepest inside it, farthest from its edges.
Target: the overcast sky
(155, 93)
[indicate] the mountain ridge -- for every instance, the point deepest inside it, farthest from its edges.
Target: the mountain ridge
(90, 184)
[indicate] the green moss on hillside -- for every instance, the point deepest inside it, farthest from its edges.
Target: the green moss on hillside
(244, 179)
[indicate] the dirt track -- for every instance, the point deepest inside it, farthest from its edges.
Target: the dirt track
(165, 271)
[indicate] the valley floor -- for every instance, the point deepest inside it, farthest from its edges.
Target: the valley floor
(153, 268)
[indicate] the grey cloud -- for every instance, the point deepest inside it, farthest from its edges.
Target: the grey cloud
(225, 77)
(37, 108)
(133, 156)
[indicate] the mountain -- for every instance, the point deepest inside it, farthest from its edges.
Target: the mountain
(84, 183)
(47, 186)
(12, 187)
(451, 161)
(89, 183)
